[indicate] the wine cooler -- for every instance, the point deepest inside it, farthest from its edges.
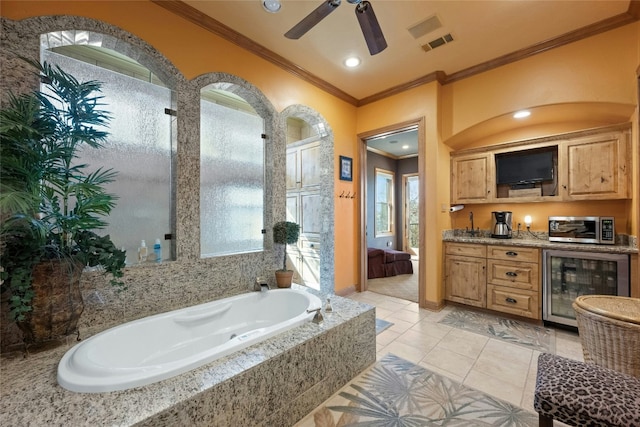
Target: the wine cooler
(569, 274)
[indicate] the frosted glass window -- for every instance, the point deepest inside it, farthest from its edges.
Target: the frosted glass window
(231, 181)
(139, 148)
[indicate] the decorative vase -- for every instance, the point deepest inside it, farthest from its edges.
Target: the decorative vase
(284, 278)
(57, 301)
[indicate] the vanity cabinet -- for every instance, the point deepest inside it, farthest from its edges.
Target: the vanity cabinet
(513, 280)
(596, 167)
(465, 273)
(471, 178)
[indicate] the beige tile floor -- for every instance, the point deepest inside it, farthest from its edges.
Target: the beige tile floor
(500, 369)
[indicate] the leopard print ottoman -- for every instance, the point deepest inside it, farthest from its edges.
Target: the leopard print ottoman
(581, 394)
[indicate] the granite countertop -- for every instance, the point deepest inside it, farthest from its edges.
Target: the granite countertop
(537, 240)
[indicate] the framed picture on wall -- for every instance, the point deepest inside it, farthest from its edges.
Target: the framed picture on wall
(345, 168)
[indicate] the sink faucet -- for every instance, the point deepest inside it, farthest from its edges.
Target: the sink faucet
(473, 232)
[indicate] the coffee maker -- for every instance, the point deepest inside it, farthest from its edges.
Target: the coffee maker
(501, 224)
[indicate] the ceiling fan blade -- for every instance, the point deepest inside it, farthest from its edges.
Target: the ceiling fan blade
(370, 28)
(312, 19)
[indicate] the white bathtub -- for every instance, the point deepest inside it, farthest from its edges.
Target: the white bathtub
(158, 347)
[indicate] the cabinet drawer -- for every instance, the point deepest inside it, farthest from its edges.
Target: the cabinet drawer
(513, 253)
(466, 249)
(513, 301)
(521, 275)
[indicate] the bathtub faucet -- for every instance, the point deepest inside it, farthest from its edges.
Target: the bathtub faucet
(261, 285)
(318, 317)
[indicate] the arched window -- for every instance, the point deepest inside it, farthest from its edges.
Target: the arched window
(232, 174)
(141, 142)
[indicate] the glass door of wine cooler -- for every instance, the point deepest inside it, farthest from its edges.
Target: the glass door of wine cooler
(569, 274)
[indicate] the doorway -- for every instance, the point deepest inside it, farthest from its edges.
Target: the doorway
(395, 148)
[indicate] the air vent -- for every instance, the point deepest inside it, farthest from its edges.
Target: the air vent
(440, 41)
(425, 27)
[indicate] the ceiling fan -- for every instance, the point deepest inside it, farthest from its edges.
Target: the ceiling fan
(366, 18)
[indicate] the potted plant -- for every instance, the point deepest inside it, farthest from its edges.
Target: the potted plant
(285, 233)
(50, 204)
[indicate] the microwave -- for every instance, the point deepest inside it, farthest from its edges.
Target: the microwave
(598, 230)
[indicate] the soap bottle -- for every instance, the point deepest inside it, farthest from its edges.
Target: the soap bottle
(142, 252)
(157, 251)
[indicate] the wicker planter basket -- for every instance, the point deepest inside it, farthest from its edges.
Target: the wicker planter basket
(609, 328)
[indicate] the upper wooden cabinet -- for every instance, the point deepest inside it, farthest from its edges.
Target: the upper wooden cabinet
(472, 177)
(596, 167)
(591, 165)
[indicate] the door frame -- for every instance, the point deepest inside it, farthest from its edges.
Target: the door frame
(405, 211)
(362, 234)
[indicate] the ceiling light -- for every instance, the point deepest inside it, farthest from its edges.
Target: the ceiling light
(405, 147)
(352, 62)
(521, 114)
(271, 6)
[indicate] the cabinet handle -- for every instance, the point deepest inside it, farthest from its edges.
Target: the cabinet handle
(511, 253)
(511, 300)
(511, 274)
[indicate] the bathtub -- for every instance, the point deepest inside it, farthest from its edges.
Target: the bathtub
(158, 347)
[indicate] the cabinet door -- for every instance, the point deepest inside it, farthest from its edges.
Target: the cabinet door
(466, 280)
(310, 165)
(293, 181)
(597, 167)
(471, 178)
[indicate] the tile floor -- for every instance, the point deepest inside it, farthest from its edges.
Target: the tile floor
(503, 370)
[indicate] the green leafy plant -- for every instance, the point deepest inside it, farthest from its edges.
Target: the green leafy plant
(285, 233)
(50, 203)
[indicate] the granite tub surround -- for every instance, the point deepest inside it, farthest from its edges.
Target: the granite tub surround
(276, 382)
(188, 280)
(625, 244)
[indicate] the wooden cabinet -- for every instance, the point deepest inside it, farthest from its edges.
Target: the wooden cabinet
(596, 167)
(513, 280)
(472, 178)
(304, 207)
(500, 278)
(465, 274)
(591, 165)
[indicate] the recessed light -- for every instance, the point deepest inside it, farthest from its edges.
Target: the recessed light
(521, 114)
(271, 6)
(405, 147)
(352, 62)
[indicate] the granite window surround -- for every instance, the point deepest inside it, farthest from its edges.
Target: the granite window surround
(188, 280)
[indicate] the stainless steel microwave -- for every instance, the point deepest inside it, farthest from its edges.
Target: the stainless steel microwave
(598, 230)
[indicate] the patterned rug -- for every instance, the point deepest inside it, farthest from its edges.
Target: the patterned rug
(381, 325)
(508, 330)
(395, 392)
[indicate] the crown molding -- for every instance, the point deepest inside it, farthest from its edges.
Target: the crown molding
(196, 17)
(216, 27)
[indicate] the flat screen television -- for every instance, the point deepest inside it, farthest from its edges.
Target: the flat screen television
(524, 167)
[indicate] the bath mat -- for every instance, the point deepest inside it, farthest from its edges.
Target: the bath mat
(397, 392)
(381, 325)
(508, 330)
